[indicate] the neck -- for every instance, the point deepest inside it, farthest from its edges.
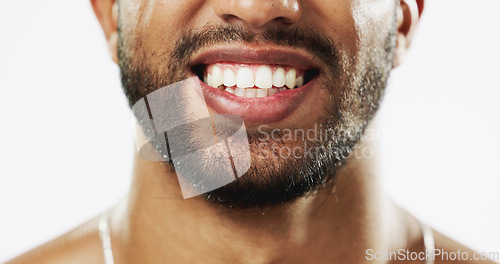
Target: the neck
(156, 225)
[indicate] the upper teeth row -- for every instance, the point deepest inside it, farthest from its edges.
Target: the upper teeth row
(245, 77)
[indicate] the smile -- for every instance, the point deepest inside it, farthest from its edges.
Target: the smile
(260, 85)
(253, 80)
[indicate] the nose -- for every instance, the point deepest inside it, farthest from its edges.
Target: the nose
(258, 13)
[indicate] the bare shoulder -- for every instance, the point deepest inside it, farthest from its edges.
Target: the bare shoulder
(449, 251)
(80, 245)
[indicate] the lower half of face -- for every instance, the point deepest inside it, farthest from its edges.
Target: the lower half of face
(304, 96)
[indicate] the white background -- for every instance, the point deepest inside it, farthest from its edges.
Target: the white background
(66, 142)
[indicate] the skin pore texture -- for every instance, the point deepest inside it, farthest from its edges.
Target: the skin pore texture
(327, 208)
(274, 177)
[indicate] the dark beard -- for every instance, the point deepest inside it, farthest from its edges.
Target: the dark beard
(272, 178)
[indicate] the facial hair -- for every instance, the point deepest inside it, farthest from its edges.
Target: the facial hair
(274, 178)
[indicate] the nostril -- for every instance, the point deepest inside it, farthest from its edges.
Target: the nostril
(252, 21)
(258, 13)
(283, 20)
(229, 18)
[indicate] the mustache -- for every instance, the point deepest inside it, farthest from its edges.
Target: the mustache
(144, 73)
(324, 48)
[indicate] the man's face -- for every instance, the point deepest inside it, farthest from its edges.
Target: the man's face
(288, 68)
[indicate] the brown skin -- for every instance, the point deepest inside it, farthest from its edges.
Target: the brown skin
(330, 227)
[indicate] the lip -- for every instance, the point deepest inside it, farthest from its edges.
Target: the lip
(256, 110)
(268, 109)
(260, 55)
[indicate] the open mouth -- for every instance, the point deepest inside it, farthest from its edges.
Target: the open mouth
(261, 84)
(251, 80)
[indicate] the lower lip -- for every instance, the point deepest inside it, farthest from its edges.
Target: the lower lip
(268, 109)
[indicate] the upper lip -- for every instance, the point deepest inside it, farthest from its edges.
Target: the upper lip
(296, 58)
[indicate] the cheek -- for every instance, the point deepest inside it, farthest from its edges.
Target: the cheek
(157, 24)
(373, 19)
(333, 18)
(350, 23)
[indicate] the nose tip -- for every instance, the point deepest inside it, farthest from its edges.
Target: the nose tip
(258, 13)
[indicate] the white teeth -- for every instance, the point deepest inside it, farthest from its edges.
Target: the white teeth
(250, 93)
(229, 78)
(239, 92)
(264, 77)
(291, 75)
(299, 81)
(217, 77)
(244, 82)
(262, 92)
(209, 79)
(279, 77)
(253, 93)
(230, 90)
(244, 78)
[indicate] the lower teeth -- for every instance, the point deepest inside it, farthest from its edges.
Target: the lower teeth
(251, 93)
